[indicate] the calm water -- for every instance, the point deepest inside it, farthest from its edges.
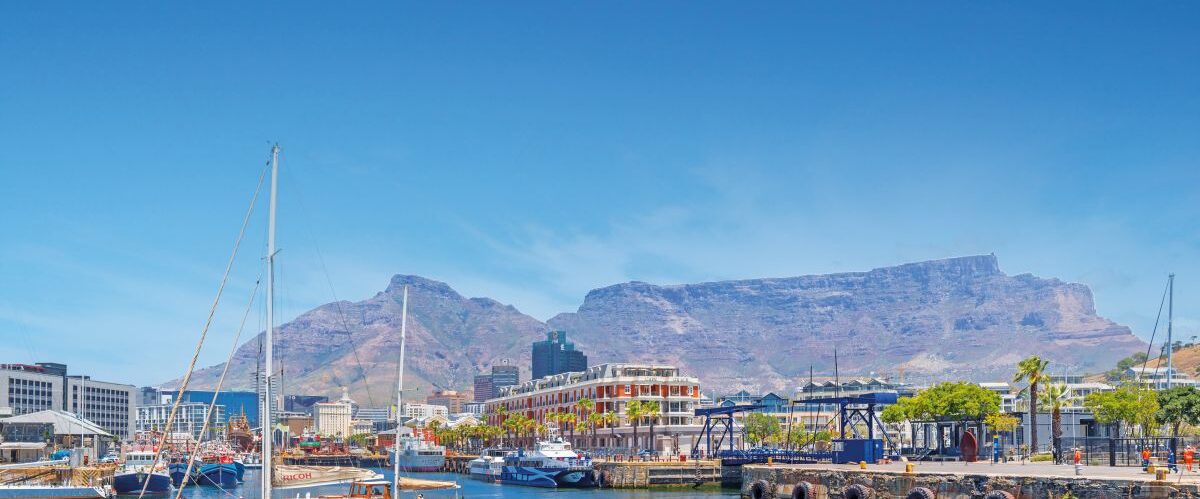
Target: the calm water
(471, 489)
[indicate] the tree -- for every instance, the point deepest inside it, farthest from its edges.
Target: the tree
(586, 406)
(1130, 404)
(651, 411)
(1056, 397)
(594, 420)
(633, 413)
(1180, 404)
(1121, 370)
(568, 419)
(761, 428)
(1033, 370)
(946, 400)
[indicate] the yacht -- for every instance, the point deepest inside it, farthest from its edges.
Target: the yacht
(489, 465)
(552, 464)
(417, 454)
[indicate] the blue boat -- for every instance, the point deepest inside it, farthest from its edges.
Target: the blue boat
(222, 475)
(177, 468)
(241, 470)
(137, 472)
(553, 465)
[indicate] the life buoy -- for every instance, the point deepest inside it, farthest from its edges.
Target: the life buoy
(858, 491)
(998, 494)
(919, 493)
(760, 490)
(803, 490)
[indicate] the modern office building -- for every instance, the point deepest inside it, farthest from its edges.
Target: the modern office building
(26, 389)
(276, 398)
(483, 387)
(374, 414)
(235, 402)
(611, 387)
(424, 411)
(556, 355)
(188, 419)
(453, 400)
(302, 403)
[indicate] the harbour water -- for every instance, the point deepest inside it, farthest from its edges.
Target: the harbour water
(471, 489)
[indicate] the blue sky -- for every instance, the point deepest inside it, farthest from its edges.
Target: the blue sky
(530, 152)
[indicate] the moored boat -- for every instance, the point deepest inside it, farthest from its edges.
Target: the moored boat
(419, 455)
(553, 464)
(489, 465)
(139, 473)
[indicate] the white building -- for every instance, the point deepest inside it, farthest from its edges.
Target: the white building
(1156, 377)
(362, 426)
(189, 419)
(475, 408)
(335, 419)
(611, 387)
(27, 389)
(425, 411)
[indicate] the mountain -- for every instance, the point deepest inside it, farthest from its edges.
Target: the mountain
(450, 339)
(958, 317)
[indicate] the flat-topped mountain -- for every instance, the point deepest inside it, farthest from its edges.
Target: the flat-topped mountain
(956, 318)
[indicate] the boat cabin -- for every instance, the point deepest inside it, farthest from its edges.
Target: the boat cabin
(367, 489)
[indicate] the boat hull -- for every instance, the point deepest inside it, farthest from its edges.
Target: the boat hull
(222, 475)
(132, 483)
(43, 491)
(176, 472)
(548, 477)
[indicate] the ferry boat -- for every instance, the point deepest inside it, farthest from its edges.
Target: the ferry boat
(553, 464)
(139, 471)
(419, 455)
(489, 465)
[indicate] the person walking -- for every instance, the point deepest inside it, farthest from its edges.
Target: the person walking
(1189, 457)
(1145, 458)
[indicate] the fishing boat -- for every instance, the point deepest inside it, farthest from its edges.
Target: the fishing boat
(489, 465)
(140, 471)
(552, 464)
(418, 454)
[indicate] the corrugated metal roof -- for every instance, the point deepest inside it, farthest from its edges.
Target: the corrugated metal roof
(64, 422)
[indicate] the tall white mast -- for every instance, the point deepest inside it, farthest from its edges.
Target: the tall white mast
(1170, 317)
(268, 369)
(400, 395)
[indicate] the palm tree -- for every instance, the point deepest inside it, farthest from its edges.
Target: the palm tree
(611, 419)
(1056, 397)
(594, 420)
(1033, 370)
(568, 419)
(585, 406)
(634, 413)
(652, 411)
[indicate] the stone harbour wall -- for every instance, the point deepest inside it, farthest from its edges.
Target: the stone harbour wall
(781, 482)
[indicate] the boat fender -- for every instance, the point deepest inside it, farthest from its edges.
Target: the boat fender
(760, 489)
(919, 493)
(803, 490)
(858, 491)
(998, 494)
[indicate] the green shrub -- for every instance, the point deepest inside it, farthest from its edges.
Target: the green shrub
(1041, 458)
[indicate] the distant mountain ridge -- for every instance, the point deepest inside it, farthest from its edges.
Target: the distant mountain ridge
(957, 317)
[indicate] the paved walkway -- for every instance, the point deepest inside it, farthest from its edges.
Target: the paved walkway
(1013, 469)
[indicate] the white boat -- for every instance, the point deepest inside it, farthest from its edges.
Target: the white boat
(417, 454)
(489, 465)
(552, 464)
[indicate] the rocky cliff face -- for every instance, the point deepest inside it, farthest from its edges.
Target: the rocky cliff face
(960, 317)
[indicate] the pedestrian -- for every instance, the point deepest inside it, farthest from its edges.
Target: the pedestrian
(1145, 458)
(1078, 456)
(1189, 457)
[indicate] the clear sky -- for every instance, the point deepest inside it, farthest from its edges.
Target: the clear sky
(530, 152)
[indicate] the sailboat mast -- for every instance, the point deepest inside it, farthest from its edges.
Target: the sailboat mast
(400, 394)
(1170, 318)
(268, 342)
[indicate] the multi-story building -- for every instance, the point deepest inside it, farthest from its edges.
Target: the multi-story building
(453, 400)
(483, 387)
(276, 398)
(475, 408)
(302, 403)
(1157, 377)
(362, 426)
(424, 411)
(556, 355)
(335, 419)
(374, 414)
(235, 402)
(25, 389)
(189, 419)
(611, 387)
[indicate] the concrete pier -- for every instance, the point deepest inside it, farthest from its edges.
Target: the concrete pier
(960, 481)
(637, 474)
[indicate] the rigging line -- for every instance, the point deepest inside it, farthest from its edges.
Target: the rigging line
(221, 381)
(329, 281)
(187, 376)
(1152, 334)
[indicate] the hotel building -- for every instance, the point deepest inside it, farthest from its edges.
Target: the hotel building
(25, 389)
(611, 387)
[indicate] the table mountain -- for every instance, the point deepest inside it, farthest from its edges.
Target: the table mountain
(953, 318)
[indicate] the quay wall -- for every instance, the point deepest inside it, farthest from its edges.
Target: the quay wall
(634, 474)
(783, 482)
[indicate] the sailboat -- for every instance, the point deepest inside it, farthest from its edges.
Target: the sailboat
(292, 476)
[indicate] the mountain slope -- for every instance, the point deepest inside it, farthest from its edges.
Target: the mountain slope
(959, 317)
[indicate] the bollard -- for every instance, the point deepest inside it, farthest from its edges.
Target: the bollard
(1078, 469)
(1160, 474)
(770, 460)
(908, 468)
(862, 465)
(1150, 469)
